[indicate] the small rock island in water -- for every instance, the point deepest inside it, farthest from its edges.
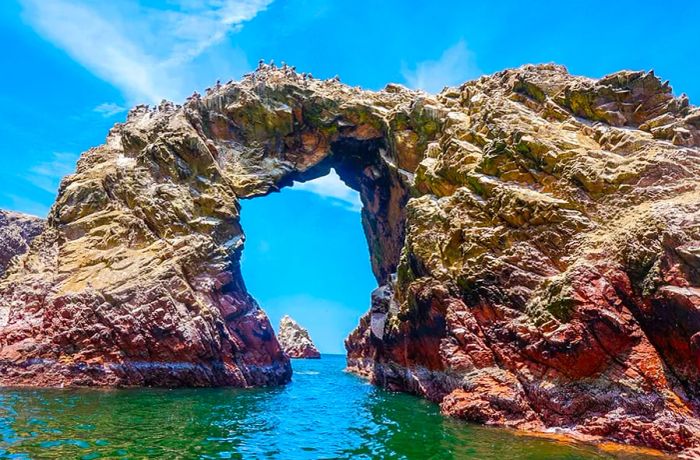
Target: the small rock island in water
(295, 340)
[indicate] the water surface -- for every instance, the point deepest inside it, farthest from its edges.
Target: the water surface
(323, 413)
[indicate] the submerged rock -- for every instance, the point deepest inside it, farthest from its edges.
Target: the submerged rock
(534, 235)
(295, 340)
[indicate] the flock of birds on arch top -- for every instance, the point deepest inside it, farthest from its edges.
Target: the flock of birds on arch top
(259, 72)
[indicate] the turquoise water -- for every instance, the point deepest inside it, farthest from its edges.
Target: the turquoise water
(323, 413)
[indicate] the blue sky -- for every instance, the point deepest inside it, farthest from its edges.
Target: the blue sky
(71, 68)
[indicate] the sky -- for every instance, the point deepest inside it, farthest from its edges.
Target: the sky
(72, 68)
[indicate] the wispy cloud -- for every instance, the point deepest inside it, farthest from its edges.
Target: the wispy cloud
(333, 189)
(456, 65)
(25, 205)
(47, 175)
(109, 109)
(141, 50)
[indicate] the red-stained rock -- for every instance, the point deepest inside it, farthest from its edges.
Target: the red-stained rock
(565, 271)
(493, 397)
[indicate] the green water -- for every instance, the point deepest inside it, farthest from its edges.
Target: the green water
(324, 413)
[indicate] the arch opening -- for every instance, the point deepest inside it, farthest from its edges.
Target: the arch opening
(305, 255)
(359, 167)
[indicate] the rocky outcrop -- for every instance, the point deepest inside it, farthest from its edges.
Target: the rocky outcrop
(295, 340)
(534, 235)
(16, 233)
(549, 278)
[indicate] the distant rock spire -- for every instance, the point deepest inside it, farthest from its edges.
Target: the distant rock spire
(295, 340)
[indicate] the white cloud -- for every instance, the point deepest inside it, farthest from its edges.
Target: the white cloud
(456, 65)
(109, 109)
(47, 175)
(143, 51)
(333, 189)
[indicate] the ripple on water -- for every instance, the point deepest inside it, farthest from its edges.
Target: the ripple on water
(323, 413)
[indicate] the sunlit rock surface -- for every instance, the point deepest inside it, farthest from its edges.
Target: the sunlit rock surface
(535, 237)
(295, 340)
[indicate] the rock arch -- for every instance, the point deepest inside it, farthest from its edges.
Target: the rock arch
(534, 236)
(137, 280)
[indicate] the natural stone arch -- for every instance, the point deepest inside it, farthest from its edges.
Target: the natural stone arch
(137, 279)
(543, 229)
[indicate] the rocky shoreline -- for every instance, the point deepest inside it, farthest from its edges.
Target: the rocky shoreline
(438, 386)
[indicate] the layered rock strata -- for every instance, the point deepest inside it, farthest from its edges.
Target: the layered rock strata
(295, 340)
(534, 235)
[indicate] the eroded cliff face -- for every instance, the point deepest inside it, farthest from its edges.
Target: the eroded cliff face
(295, 340)
(549, 279)
(17, 231)
(16, 234)
(534, 236)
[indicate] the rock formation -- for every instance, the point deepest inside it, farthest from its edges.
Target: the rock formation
(16, 233)
(295, 340)
(534, 235)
